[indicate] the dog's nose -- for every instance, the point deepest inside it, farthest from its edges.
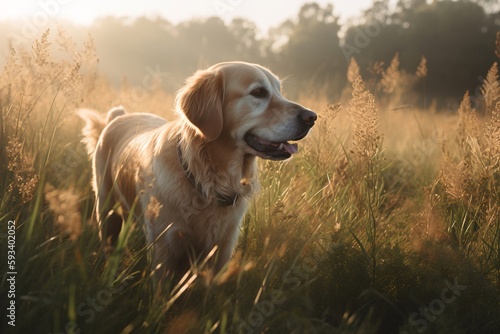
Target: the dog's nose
(308, 116)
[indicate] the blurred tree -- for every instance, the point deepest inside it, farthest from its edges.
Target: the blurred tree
(307, 48)
(204, 42)
(380, 12)
(406, 8)
(145, 48)
(458, 42)
(490, 6)
(456, 37)
(247, 46)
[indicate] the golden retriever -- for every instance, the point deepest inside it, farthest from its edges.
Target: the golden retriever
(191, 180)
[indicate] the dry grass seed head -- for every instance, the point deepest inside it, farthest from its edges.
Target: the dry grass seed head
(468, 123)
(328, 118)
(454, 178)
(366, 138)
(429, 227)
(352, 70)
(235, 267)
(377, 68)
(391, 77)
(153, 208)
(341, 175)
(78, 75)
(65, 42)
(492, 137)
(491, 88)
(72, 84)
(41, 50)
(11, 70)
(65, 207)
(326, 138)
(20, 163)
(422, 68)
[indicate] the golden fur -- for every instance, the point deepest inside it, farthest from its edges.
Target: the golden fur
(229, 114)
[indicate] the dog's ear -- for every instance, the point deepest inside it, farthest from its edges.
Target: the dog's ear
(201, 101)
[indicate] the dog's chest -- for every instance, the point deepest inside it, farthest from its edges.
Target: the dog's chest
(214, 223)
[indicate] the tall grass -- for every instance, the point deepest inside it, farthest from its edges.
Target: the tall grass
(360, 233)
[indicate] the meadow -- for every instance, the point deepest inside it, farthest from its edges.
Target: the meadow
(386, 221)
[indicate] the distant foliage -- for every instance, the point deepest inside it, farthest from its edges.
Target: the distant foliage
(454, 36)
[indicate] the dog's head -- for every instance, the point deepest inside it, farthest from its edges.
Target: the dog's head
(241, 103)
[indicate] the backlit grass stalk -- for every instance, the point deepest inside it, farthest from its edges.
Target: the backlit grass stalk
(468, 185)
(367, 163)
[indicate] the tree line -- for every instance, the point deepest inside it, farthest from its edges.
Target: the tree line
(312, 49)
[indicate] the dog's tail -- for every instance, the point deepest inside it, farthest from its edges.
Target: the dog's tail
(95, 123)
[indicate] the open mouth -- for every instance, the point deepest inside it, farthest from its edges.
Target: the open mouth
(270, 149)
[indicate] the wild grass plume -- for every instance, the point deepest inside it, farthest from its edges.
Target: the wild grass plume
(422, 68)
(491, 87)
(391, 77)
(65, 206)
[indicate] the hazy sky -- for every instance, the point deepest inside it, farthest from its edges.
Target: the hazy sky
(265, 13)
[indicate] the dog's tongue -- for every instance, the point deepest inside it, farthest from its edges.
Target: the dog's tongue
(290, 148)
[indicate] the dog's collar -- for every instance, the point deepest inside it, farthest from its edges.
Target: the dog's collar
(222, 200)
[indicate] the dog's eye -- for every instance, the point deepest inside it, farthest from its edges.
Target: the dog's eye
(260, 93)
